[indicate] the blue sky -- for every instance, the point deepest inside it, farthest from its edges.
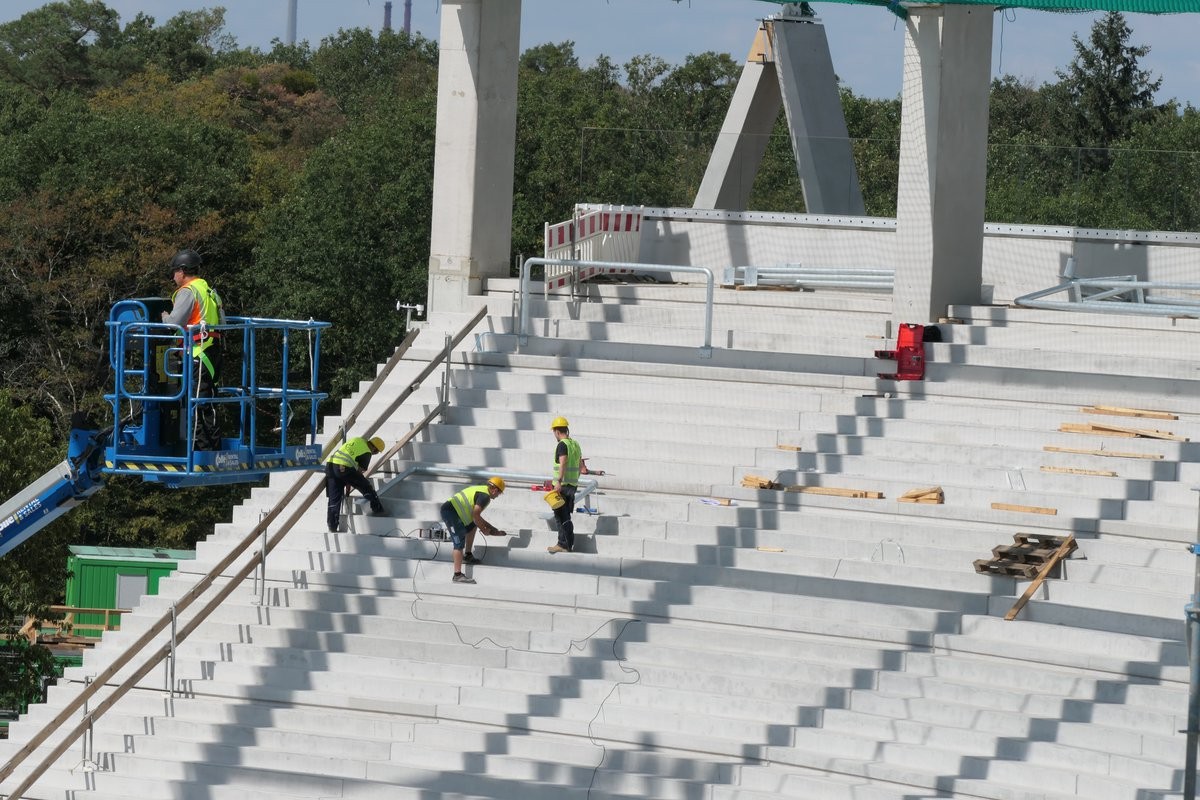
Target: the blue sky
(866, 41)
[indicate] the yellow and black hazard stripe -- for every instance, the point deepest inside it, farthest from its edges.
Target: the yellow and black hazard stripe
(144, 466)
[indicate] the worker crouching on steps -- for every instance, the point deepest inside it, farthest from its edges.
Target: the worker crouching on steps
(463, 515)
(568, 460)
(346, 468)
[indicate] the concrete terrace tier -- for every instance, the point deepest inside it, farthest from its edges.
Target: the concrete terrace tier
(706, 639)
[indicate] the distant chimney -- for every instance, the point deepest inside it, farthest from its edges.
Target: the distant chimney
(290, 38)
(387, 16)
(408, 17)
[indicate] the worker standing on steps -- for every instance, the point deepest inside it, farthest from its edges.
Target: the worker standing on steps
(345, 470)
(463, 515)
(568, 461)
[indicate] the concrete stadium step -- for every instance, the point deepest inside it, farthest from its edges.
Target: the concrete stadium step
(777, 782)
(804, 337)
(836, 320)
(1157, 664)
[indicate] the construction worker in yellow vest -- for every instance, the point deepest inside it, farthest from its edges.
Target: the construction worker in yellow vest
(568, 460)
(463, 515)
(346, 468)
(197, 307)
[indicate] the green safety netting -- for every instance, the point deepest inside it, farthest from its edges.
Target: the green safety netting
(1131, 6)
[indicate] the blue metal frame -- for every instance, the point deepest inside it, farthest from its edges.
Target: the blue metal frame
(151, 393)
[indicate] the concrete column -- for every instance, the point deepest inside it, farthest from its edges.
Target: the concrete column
(745, 133)
(943, 160)
(475, 146)
(813, 106)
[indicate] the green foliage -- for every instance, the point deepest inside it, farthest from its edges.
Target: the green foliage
(23, 667)
(50, 49)
(1106, 90)
(353, 238)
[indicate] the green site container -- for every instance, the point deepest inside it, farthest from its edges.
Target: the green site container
(115, 577)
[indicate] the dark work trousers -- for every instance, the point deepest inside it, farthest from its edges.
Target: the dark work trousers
(208, 429)
(337, 478)
(566, 528)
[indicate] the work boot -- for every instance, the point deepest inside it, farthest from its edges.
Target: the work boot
(558, 548)
(379, 511)
(469, 558)
(461, 578)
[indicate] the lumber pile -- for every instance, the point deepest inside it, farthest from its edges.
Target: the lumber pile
(756, 482)
(932, 495)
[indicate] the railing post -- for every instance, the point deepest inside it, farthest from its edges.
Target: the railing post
(1192, 612)
(171, 655)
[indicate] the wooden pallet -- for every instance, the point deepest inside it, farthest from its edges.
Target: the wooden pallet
(1026, 557)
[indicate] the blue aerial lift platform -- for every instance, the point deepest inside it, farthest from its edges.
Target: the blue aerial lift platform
(154, 406)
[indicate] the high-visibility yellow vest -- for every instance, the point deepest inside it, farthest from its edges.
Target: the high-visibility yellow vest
(464, 502)
(347, 455)
(574, 459)
(206, 309)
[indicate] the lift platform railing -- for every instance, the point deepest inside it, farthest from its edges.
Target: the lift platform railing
(153, 367)
(146, 642)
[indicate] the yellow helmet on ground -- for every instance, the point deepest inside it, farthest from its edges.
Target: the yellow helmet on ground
(377, 443)
(496, 481)
(559, 422)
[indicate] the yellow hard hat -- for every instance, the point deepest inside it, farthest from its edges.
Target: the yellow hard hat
(377, 444)
(559, 422)
(496, 481)
(555, 499)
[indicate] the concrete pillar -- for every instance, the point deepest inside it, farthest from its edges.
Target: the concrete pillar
(789, 66)
(813, 106)
(739, 150)
(471, 235)
(943, 160)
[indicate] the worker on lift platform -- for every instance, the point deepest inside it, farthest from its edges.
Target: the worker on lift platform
(196, 305)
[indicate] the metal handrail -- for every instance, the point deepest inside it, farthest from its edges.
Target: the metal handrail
(522, 337)
(168, 619)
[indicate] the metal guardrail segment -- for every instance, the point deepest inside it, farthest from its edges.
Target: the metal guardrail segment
(523, 303)
(1122, 294)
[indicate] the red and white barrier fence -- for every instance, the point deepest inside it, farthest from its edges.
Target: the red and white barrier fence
(607, 233)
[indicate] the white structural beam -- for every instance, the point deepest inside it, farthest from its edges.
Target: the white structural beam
(817, 124)
(943, 160)
(474, 151)
(789, 66)
(739, 149)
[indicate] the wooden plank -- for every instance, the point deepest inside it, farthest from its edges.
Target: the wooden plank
(837, 492)
(914, 493)
(931, 500)
(1107, 453)
(1026, 509)
(1099, 473)
(1063, 551)
(765, 549)
(1089, 428)
(795, 448)
(1145, 433)
(1118, 411)
(1119, 430)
